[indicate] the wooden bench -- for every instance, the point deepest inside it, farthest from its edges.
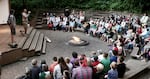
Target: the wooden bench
(23, 40)
(11, 56)
(34, 42)
(28, 43)
(39, 44)
(44, 46)
(29, 40)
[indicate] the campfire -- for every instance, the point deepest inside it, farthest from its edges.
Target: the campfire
(76, 41)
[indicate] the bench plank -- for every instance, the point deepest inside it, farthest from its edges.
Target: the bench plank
(35, 39)
(22, 42)
(29, 40)
(39, 44)
(44, 47)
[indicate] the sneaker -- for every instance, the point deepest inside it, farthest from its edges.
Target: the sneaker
(13, 45)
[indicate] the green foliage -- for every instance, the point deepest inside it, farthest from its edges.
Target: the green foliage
(136, 6)
(121, 5)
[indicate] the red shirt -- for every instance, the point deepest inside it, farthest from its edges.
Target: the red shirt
(51, 68)
(139, 30)
(94, 64)
(115, 49)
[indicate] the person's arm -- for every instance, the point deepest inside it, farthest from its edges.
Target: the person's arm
(25, 15)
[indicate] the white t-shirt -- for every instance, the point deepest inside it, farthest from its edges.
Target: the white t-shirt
(144, 19)
(25, 16)
(70, 66)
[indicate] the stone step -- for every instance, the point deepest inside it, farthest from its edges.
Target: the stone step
(39, 23)
(39, 20)
(134, 68)
(39, 26)
(39, 17)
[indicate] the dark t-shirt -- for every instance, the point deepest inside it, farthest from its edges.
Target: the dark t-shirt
(121, 68)
(35, 70)
(66, 12)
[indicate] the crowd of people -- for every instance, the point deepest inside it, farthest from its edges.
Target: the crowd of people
(65, 22)
(98, 66)
(120, 31)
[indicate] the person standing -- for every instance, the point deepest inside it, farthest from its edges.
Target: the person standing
(25, 20)
(35, 70)
(12, 23)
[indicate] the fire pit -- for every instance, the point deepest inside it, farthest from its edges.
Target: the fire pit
(76, 41)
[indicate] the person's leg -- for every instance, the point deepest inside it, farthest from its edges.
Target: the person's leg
(12, 39)
(68, 28)
(13, 32)
(25, 29)
(72, 29)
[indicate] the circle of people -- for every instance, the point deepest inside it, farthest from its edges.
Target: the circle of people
(121, 32)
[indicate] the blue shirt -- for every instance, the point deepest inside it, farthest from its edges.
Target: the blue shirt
(112, 74)
(113, 58)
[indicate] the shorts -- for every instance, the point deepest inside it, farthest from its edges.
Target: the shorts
(13, 30)
(25, 24)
